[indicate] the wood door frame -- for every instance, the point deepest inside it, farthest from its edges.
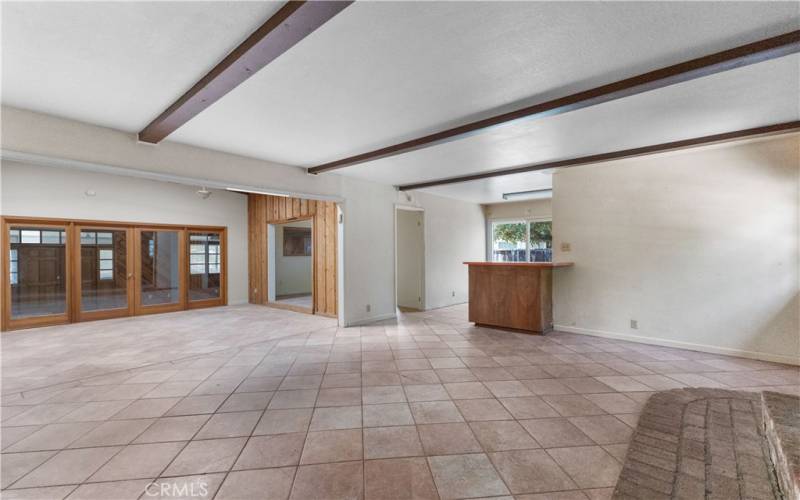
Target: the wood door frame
(72, 269)
(180, 305)
(291, 307)
(21, 219)
(130, 267)
(222, 300)
(8, 323)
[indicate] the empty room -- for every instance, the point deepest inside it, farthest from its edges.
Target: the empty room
(324, 250)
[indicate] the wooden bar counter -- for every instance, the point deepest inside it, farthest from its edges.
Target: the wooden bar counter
(515, 295)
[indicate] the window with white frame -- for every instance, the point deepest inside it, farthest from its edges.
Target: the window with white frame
(204, 254)
(14, 262)
(30, 237)
(106, 262)
(37, 237)
(522, 240)
(213, 255)
(104, 241)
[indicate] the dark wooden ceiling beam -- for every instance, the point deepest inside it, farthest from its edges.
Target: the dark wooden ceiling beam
(744, 55)
(293, 22)
(779, 128)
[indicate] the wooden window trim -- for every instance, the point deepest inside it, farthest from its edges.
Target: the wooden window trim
(72, 228)
(223, 268)
(9, 323)
(77, 314)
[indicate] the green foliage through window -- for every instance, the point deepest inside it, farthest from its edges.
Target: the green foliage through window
(522, 241)
(542, 234)
(511, 233)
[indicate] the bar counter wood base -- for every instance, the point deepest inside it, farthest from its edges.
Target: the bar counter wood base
(512, 295)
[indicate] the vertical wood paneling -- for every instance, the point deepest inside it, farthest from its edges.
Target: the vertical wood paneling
(251, 250)
(263, 210)
(257, 248)
(330, 258)
(319, 259)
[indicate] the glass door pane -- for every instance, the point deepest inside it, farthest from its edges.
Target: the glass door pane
(103, 269)
(508, 241)
(205, 266)
(541, 241)
(160, 268)
(37, 271)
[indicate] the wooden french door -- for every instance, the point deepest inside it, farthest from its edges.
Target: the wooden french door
(104, 272)
(36, 278)
(57, 271)
(206, 255)
(160, 270)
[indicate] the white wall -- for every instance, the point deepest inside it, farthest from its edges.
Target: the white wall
(410, 237)
(700, 247)
(454, 233)
(542, 208)
(368, 251)
(292, 273)
(454, 229)
(29, 190)
(36, 133)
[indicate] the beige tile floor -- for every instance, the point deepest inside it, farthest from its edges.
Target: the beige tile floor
(253, 402)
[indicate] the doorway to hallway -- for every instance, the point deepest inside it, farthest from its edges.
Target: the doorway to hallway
(410, 258)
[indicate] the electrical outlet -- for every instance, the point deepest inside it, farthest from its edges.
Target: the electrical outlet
(634, 324)
(566, 247)
(369, 308)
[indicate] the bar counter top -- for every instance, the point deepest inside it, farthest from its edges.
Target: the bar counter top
(516, 295)
(521, 264)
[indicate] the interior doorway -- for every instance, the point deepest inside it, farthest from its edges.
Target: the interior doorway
(410, 258)
(291, 265)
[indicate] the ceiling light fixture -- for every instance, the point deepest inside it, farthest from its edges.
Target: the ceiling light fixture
(533, 194)
(255, 191)
(203, 192)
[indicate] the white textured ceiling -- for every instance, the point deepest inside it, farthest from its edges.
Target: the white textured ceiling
(743, 98)
(491, 190)
(116, 64)
(382, 72)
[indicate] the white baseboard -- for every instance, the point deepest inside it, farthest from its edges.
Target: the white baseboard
(449, 304)
(762, 356)
(367, 321)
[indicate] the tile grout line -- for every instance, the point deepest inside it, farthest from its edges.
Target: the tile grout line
(247, 441)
